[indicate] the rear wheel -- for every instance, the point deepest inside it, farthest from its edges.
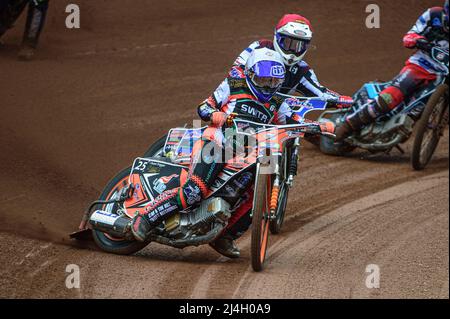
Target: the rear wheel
(260, 219)
(105, 241)
(430, 128)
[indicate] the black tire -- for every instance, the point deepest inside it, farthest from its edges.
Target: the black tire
(104, 241)
(260, 221)
(157, 148)
(430, 128)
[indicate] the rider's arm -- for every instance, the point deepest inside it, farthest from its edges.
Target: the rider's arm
(214, 102)
(310, 86)
(418, 31)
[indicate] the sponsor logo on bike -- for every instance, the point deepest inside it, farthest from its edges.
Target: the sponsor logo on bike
(192, 194)
(160, 184)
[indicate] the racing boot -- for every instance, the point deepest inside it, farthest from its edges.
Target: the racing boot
(364, 116)
(226, 246)
(160, 209)
(238, 224)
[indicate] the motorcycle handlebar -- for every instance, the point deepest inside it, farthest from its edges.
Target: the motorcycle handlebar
(424, 45)
(306, 127)
(303, 98)
(317, 98)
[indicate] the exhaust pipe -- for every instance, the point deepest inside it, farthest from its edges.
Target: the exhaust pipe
(191, 241)
(115, 225)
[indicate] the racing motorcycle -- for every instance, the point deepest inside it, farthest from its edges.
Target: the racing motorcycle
(266, 168)
(427, 112)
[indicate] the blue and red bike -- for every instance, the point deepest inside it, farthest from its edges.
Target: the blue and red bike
(426, 113)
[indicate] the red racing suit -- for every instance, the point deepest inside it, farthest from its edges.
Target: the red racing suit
(420, 69)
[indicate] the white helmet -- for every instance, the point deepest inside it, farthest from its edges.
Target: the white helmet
(264, 72)
(293, 35)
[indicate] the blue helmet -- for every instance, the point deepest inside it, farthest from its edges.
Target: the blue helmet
(264, 72)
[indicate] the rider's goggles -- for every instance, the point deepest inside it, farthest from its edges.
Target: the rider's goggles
(266, 82)
(293, 45)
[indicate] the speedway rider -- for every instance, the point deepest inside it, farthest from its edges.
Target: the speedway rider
(292, 38)
(10, 11)
(246, 88)
(420, 70)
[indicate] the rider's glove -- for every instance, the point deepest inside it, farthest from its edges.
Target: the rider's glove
(218, 119)
(344, 102)
(410, 40)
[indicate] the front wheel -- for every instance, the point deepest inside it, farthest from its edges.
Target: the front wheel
(105, 241)
(430, 128)
(260, 218)
(277, 222)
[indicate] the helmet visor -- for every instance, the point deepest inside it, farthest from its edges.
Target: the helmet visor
(267, 82)
(265, 78)
(293, 45)
(267, 75)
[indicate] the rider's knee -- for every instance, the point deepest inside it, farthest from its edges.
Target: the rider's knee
(390, 98)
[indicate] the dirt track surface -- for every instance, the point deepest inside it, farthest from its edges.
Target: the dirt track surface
(95, 98)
